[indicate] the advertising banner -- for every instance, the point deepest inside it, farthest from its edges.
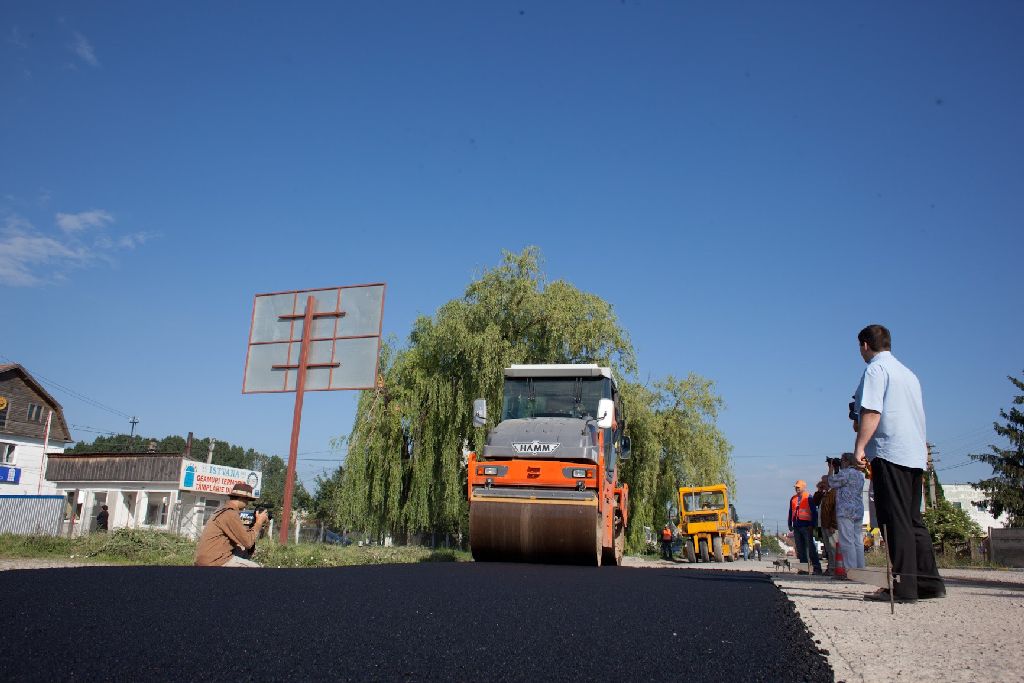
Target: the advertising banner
(206, 478)
(10, 475)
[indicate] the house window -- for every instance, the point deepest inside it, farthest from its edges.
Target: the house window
(35, 412)
(6, 453)
(156, 512)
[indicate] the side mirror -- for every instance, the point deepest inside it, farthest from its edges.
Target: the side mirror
(624, 447)
(480, 412)
(605, 413)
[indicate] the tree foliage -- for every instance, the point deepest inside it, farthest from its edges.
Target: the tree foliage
(405, 470)
(273, 467)
(947, 522)
(1004, 490)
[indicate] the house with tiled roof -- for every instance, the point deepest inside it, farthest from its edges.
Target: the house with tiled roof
(31, 424)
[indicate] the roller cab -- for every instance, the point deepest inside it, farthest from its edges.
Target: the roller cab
(545, 487)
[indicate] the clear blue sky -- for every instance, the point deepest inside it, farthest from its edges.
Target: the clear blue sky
(749, 186)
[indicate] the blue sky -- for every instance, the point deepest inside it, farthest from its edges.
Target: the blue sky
(748, 185)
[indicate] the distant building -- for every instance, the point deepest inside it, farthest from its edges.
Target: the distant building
(964, 496)
(31, 422)
(160, 491)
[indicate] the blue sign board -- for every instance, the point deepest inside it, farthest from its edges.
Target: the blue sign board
(10, 475)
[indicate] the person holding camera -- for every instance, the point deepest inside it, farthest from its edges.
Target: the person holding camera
(226, 540)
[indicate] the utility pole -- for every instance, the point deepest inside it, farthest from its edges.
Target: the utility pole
(134, 421)
(931, 473)
(209, 454)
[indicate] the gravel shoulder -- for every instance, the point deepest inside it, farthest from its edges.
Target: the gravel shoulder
(43, 563)
(973, 634)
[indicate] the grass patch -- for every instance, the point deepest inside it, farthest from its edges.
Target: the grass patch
(318, 555)
(143, 547)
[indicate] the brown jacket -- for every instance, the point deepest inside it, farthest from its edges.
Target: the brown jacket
(826, 502)
(223, 534)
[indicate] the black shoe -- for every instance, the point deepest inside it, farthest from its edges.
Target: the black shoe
(931, 595)
(882, 595)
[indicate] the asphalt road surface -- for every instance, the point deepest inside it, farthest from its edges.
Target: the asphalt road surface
(451, 621)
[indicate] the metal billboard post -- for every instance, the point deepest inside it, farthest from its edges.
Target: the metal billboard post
(272, 338)
(300, 390)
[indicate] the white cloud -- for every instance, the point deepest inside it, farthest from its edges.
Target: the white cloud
(76, 222)
(83, 48)
(21, 255)
(30, 258)
(136, 239)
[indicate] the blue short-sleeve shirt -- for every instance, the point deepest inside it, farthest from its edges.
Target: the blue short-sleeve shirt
(889, 387)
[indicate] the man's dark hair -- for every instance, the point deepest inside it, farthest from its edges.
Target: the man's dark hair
(877, 338)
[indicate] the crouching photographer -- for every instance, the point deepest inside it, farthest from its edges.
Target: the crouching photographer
(227, 541)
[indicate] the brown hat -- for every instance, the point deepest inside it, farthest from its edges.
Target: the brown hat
(243, 491)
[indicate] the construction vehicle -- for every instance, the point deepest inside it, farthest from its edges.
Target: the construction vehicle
(545, 487)
(707, 524)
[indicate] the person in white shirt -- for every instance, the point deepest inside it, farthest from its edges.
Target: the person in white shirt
(891, 435)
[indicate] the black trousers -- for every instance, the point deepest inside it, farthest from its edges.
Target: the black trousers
(898, 506)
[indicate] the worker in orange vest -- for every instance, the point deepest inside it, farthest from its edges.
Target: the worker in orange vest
(666, 543)
(801, 519)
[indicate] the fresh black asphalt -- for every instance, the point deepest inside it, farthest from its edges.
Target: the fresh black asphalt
(431, 621)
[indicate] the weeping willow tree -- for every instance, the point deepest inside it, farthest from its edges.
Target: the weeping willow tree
(675, 443)
(405, 471)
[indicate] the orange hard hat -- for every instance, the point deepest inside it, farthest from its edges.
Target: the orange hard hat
(800, 484)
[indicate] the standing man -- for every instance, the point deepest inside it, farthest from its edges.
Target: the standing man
(103, 519)
(666, 543)
(848, 483)
(891, 435)
(801, 523)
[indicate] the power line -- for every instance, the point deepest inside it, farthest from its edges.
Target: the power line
(80, 396)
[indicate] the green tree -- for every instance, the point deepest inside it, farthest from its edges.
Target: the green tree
(770, 544)
(947, 522)
(1004, 491)
(404, 470)
(675, 443)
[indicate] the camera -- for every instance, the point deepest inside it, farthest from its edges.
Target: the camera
(249, 516)
(854, 415)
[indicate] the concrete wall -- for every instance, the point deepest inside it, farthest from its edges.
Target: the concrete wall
(1006, 546)
(141, 506)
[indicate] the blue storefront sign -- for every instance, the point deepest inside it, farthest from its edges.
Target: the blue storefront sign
(10, 475)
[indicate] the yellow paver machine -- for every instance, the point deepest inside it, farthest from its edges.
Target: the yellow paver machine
(707, 523)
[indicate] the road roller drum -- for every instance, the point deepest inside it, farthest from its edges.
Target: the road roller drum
(535, 531)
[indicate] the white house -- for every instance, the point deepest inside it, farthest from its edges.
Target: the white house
(964, 496)
(160, 491)
(31, 424)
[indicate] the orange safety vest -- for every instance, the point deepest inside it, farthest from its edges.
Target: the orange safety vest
(800, 507)
(666, 535)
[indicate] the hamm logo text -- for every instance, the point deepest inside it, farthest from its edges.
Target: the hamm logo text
(535, 448)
